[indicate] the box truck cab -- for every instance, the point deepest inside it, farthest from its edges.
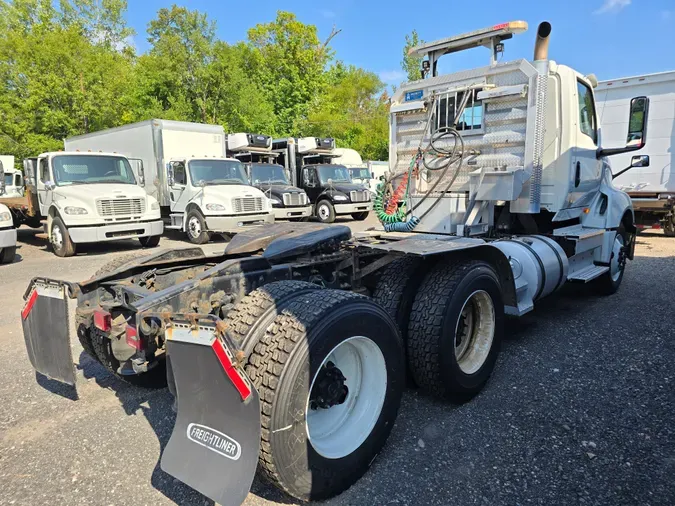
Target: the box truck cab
(186, 168)
(329, 186)
(288, 201)
(87, 198)
(213, 195)
(11, 180)
(7, 236)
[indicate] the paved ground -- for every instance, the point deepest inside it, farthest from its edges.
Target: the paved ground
(581, 410)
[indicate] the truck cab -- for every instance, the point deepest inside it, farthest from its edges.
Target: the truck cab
(255, 151)
(329, 186)
(85, 197)
(212, 195)
(11, 179)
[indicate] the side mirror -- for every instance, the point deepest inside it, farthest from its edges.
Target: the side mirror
(637, 123)
(169, 174)
(637, 129)
(636, 161)
(49, 185)
(141, 175)
(372, 175)
(330, 181)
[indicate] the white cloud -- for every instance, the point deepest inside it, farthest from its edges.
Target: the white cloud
(392, 76)
(328, 14)
(613, 6)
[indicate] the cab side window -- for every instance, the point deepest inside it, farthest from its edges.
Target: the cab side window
(309, 175)
(44, 170)
(587, 117)
(179, 175)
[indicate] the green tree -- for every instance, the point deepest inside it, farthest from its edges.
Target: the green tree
(410, 64)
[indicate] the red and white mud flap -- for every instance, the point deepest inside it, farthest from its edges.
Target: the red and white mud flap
(215, 442)
(46, 329)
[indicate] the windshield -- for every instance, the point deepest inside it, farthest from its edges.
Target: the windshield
(8, 180)
(217, 172)
(360, 173)
(89, 169)
(268, 173)
(338, 173)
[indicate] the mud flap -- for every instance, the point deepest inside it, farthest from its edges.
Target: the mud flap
(46, 330)
(215, 442)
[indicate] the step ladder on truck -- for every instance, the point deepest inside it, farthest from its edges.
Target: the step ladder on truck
(288, 351)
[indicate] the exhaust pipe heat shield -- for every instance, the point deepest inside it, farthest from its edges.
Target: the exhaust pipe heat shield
(215, 441)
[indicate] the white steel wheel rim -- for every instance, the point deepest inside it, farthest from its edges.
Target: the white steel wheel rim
(194, 227)
(340, 430)
(615, 266)
(57, 237)
(475, 332)
(324, 212)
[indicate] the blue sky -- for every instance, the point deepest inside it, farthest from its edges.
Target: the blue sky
(611, 38)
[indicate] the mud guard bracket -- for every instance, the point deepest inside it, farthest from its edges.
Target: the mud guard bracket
(216, 439)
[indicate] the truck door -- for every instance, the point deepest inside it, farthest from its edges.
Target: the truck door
(586, 168)
(45, 186)
(310, 183)
(179, 193)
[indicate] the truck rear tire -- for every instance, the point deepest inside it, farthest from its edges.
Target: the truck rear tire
(361, 216)
(60, 239)
(668, 225)
(7, 255)
(455, 329)
(151, 241)
(325, 211)
(330, 374)
(196, 227)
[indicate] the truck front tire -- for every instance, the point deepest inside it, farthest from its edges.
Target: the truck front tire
(195, 226)
(455, 329)
(325, 211)
(7, 255)
(330, 374)
(62, 245)
(151, 241)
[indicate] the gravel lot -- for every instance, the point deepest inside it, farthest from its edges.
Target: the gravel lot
(580, 410)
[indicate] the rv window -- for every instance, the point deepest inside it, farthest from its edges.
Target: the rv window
(471, 119)
(587, 118)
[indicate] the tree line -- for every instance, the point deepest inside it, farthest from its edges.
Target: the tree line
(70, 67)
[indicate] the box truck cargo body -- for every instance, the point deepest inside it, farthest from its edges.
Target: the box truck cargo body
(200, 201)
(651, 186)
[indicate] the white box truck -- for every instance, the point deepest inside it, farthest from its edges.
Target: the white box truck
(85, 198)
(11, 179)
(199, 189)
(651, 184)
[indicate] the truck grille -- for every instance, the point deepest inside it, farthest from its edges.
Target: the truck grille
(247, 204)
(359, 196)
(120, 207)
(295, 199)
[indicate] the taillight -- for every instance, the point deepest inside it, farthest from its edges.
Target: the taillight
(133, 338)
(102, 320)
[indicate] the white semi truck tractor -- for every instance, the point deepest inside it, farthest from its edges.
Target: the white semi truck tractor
(287, 352)
(201, 192)
(82, 197)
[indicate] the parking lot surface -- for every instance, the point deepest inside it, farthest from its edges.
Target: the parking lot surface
(580, 409)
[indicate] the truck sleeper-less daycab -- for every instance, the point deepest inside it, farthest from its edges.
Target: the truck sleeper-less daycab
(200, 191)
(288, 351)
(86, 198)
(329, 186)
(255, 151)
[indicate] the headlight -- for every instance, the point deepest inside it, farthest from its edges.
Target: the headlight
(340, 197)
(5, 217)
(154, 206)
(215, 207)
(275, 201)
(75, 210)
